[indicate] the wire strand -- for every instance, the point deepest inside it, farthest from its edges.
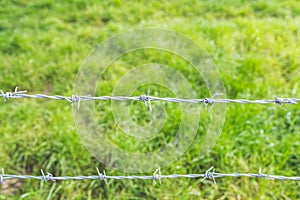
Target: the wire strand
(209, 174)
(145, 98)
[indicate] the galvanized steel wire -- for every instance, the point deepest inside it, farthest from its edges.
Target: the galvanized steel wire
(144, 98)
(157, 176)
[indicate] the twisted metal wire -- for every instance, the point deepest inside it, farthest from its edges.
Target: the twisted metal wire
(209, 174)
(144, 98)
(157, 176)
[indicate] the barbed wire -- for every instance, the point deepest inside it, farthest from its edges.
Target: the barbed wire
(157, 176)
(144, 98)
(210, 174)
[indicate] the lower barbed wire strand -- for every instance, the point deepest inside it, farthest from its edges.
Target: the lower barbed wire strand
(208, 175)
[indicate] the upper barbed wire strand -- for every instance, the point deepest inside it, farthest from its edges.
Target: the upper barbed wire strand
(74, 98)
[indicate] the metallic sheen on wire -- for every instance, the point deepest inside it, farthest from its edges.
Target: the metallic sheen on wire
(157, 176)
(144, 98)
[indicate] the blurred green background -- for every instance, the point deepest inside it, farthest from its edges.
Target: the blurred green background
(254, 44)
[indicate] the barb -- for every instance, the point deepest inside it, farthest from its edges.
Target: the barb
(48, 177)
(209, 174)
(145, 99)
(157, 176)
(102, 177)
(74, 99)
(208, 101)
(2, 177)
(9, 95)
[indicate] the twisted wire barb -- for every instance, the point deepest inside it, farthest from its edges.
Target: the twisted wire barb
(157, 176)
(145, 99)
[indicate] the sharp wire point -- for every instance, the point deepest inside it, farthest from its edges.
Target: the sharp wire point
(78, 104)
(209, 175)
(102, 177)
(278, 101)
(50, 177)
(149, 101)
(146, 99)
(43, 174)
(261, 175)
(15, 93)
(207, 101)
(2, 177)
(217, 94)
(74, 99)
(212, 98)
(157, 176)
(18, 92)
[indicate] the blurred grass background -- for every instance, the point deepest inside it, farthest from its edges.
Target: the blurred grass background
(255, 45)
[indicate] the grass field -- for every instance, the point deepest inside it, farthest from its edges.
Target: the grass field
(256, 47)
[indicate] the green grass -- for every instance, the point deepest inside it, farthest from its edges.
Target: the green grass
(255, 46)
